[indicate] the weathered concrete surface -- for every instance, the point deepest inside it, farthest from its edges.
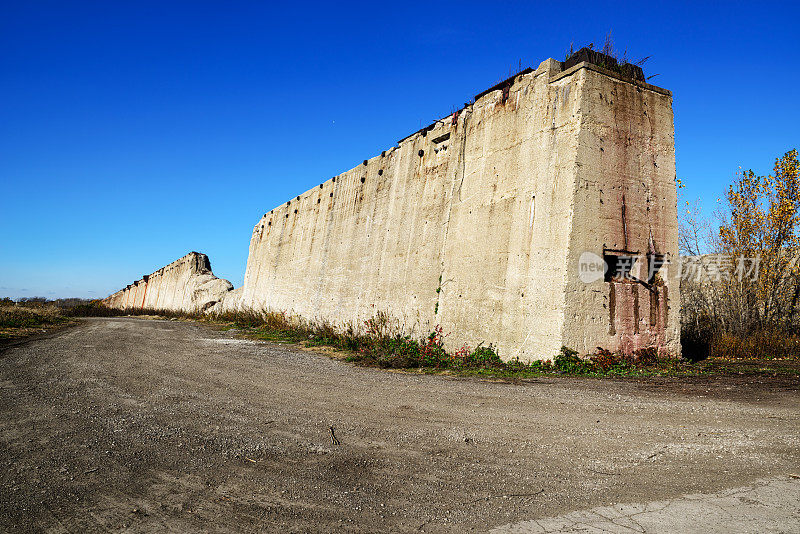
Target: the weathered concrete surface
(230, 302)
(767, 506)
(187, 284)
(625, 200)
(478, 223)
(164, 426)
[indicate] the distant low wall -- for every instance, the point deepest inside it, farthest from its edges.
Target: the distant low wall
(186, 284)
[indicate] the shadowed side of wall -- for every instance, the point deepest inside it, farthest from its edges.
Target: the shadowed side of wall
(187, 284)
(626, 212)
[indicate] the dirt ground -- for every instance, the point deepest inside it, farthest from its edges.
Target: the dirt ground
(155, 426)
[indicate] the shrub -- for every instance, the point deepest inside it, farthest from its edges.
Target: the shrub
(767, 344)
(485, 358)
(568, 361)
(646, 356)
(604, 360)
(93, 308)
(432, 351)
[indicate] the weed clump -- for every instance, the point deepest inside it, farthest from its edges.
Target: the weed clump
(19, 317)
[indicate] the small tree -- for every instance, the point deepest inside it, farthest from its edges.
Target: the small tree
(762, 222)
(751, 310)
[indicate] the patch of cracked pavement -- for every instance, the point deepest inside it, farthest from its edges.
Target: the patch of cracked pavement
(770, 505)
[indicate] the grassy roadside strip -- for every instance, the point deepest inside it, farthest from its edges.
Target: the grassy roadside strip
(380, 345)
(377, 344)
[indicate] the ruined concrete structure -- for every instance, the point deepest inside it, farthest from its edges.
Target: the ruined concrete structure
(488, 221)
(186, 284)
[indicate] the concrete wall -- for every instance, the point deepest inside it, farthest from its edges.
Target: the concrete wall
(187, 284)
(478, 222)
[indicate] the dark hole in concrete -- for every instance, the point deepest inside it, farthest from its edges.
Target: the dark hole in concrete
(298, 198)
(383, 154)
(380, 172)
(331, 195)
(318, 200)
(334, 178)
(363, 179)
(320, 186)
(269, 223)
(288, 202)
(295, 211)
(365, 162)
(618, 267)
(654, 264)
(287, 215)
(421, 152)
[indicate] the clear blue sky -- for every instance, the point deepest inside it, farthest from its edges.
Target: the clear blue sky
(134, 132)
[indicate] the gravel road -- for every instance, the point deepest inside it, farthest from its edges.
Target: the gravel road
(154, 426)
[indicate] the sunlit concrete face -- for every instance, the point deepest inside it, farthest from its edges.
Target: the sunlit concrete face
(479, 224)
(186, 284)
